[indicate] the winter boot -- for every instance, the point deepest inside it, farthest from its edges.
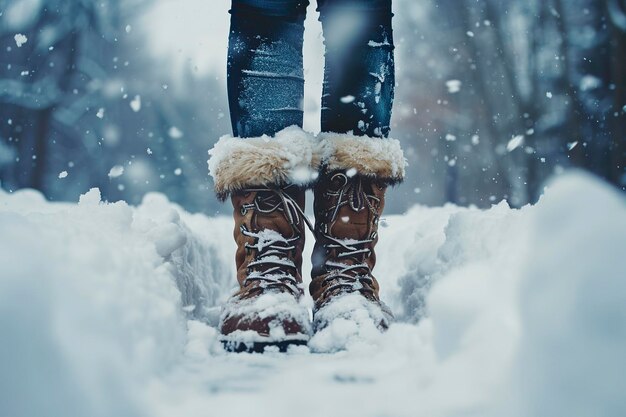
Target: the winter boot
(349, 201)
(266, 179)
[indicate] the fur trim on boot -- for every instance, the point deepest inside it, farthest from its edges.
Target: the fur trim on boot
(371, 157)
(290, 157)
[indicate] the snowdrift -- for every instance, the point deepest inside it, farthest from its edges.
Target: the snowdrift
(108, 310)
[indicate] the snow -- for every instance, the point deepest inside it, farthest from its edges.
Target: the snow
(454, 86)
(374, 44)
(20, 39)
(280, 305)
(111, 310)
(62, 174)
(175, 133)
(589, 82)
(515, 143)
(350, 322)
(116, 171)
(135, 104)
(271, 74)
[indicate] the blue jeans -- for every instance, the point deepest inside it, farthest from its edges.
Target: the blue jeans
(265, 74)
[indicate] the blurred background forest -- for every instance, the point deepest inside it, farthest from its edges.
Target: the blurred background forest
(493, 97)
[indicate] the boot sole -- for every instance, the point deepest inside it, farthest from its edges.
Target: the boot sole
(259, 347)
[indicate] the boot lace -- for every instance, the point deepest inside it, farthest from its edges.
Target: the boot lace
(269, 266)
(355, 275)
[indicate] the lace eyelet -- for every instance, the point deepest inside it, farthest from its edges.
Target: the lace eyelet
(243, 210)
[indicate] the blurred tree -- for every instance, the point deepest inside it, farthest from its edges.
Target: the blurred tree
(533, 86)
(82, 96)
(47, 84)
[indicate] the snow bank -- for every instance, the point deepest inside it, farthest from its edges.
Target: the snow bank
(89, 303)
(107, 310)
(527, 311)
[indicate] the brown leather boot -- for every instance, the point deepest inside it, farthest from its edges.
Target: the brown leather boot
(266, 179)
(349, 201)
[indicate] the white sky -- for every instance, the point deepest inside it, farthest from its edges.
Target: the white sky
(194, 34)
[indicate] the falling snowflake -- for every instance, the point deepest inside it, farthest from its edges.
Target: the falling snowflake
(20, 40)
(135, 104)
(116, 171)
(175, 133)
(515, 143)
(589, 82)
(454, 86)
(62, 174)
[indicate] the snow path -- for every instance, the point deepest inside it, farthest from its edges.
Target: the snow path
(106, 310)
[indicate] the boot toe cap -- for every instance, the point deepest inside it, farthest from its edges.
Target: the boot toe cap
(268, 319)
(353, 306)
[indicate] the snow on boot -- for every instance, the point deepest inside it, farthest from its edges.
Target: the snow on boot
(349, 200)
(266, 179)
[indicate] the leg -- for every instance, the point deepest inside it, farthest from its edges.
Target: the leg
(266, 179)
(359, 163)
(265, 75)
(359, 73)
